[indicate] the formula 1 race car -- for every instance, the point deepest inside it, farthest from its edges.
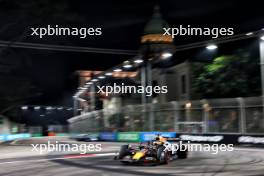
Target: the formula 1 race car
(85, 137)
(154, 152)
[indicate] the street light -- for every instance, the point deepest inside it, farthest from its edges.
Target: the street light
(211, 47)
(262, 37)
(82, 88)
(249, 33)
(138, 61)
(24, 107)
(117, 70)
(188, 105)
(49, 108)
(166, 55)
(81, 99)
(94, 80)
(128, 66)
(109, 74)
(36, 107)
(81, 91)
(101, 77)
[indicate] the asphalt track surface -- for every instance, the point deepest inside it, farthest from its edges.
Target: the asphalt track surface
(242, 161)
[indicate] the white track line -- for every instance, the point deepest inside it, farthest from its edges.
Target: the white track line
(98, 155)
(61, 158)
(249, 149)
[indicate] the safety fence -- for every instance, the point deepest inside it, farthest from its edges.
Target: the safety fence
(236, 139)
(234, 115)
(11, 137)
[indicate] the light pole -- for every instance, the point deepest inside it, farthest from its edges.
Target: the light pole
(75, 105)
(92, 97)
(261, 49)
(146, 80)
(143, 83)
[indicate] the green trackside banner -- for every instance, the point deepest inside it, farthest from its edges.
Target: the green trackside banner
(128, 136)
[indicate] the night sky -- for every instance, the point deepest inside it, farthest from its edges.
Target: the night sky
(50, 74)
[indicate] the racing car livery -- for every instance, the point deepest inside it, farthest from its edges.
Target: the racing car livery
(159, 151)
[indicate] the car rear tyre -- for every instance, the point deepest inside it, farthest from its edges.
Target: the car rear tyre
(123, 151)
(162, 155)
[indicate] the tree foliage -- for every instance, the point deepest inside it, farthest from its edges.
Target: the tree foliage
(229, 76)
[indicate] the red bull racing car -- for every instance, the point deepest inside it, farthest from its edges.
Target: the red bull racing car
(159, 151)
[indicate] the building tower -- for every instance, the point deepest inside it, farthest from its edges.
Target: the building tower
(153, 41)
(153, 45)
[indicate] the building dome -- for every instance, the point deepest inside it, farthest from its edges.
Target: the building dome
(153, 31)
